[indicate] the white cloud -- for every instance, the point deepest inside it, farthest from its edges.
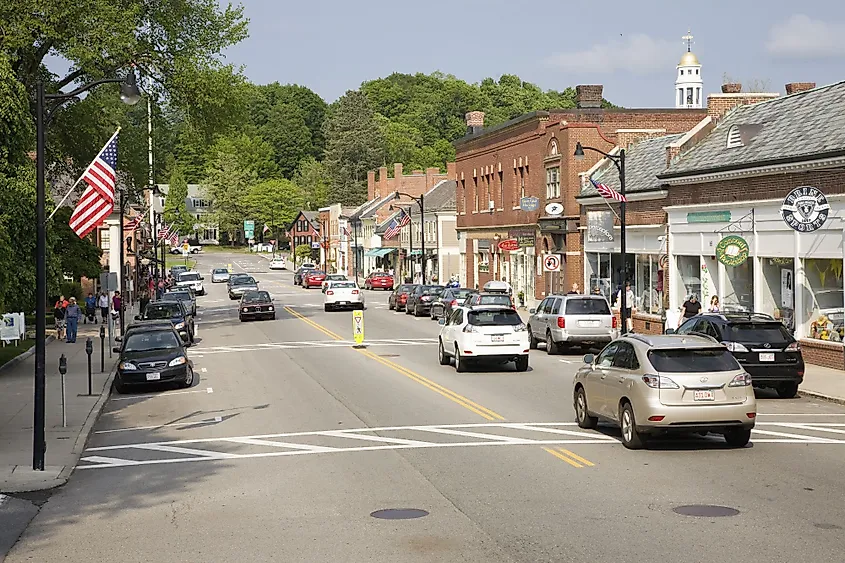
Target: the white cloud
(638, 53)
(801, 37)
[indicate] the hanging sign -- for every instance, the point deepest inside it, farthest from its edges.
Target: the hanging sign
(805, 209)
(510, 245)
(732, 250)
(525, 238)
(529, 203)
(599, 226)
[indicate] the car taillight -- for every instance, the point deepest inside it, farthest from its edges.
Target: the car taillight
(330, 292)
(614, 322)
(354, 292)
(735, 347)
(470, 328)
(659, 382)
(794, 347)
(561, 322)
(741, 380)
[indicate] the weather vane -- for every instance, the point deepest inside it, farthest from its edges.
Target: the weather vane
(688, 40)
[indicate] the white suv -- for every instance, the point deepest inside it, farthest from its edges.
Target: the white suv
(192, 280)
(486, 332)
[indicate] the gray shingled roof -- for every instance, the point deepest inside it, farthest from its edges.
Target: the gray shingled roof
(644, 160)
(311, 215)
(800, 126)
(441, 197)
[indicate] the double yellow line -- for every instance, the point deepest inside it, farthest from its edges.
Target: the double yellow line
(572, 459)
(424, 381)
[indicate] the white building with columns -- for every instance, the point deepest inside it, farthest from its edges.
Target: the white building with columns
(689, 83)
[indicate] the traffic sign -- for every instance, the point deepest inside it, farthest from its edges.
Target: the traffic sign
(358, 327)
(249, 229)
(551, 262)
(510, 244)
(185, 248)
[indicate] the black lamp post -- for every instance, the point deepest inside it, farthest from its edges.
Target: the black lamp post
(129, 94)
(420, 201)
(619, 162)
(410, 239)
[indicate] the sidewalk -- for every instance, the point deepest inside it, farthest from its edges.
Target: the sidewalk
(64, 444)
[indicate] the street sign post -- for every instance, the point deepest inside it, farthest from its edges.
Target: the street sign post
(249, 230)
(358, 327)
(551, 263)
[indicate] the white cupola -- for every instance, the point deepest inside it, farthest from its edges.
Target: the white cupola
(688, 81)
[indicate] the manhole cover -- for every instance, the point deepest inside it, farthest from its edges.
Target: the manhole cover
(399, 513)
(705, 510)
(388, 355)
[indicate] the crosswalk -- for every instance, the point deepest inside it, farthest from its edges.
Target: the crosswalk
(811, 432)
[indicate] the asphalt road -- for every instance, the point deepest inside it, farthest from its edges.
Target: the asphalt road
(291, 438)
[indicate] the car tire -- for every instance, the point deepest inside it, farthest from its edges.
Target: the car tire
(532, 342)
(444, 358)
(582, 414)
(240, 318)
(189, 380)
(390, 306)
(407, 309)
(551, 346)
(522, 363)
(787, 390)
(460, 363)
(417, 311)
(631, 437)
(326, 308)
(738, 437)
(120, 387)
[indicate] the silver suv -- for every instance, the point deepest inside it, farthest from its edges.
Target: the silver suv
(565, 320)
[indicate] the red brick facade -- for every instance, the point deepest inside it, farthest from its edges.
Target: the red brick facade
(416, 183)
(303, 231)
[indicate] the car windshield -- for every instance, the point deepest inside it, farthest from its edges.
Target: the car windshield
(406, 287)
(829, 299)
(587, 307)
(256, 297)
(343, 284)
(692, 360)
(496, 317)
(244, 281)
(220, 271)
(151, 340)
(189, 277)
(757, 332)
(178, 295)
(494, 300)
(463, 293)
(378, 275)
(162, 311)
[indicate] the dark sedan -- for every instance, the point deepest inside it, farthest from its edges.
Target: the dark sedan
(301, 271)
(185, 295)
(256, 305)
(152, 356)
(399, 297)
(452, 297)
(420, 300)
(175, 312)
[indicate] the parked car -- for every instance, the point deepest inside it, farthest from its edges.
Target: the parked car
(572, 320)
(239, 286)
(155, 355)
(493, 333)
(301, 271)
(450, 298)
(380, 280)
(279, 263)
(343, 294)
(175, 311)
(185, 295)
(399, 296)
(192, 280)
(219, 275)
(489, 299)
(313, 278)
(177, 269)
(333, 277)
(419, 301)
(256, 305)
(761, 345)
(654, 385)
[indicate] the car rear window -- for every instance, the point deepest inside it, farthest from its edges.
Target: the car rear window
(342, 284)
(494, 300)
(404, 288)
(692, 360)
(162, 311)
(244, 281)
(221, 271)
(433, 290)
(587, 307)
(757, 332)
(463, 293)
(500, 317)
(189, 277)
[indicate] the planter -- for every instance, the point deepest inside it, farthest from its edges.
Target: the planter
(731, 88)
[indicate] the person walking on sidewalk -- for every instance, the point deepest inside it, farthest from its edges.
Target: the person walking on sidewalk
(59, 316)
(103, 303)
(72, 317)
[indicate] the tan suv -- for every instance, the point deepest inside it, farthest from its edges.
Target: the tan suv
(655, 385)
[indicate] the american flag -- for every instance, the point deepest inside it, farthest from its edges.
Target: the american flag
(346, 231)
(607, 192)
(136, 221)
(97, 201)
(392, 230)
(404, 219)
(164, 232)
(174, 238)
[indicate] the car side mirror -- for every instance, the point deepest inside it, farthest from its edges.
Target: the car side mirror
(441, 321)
(589, 359)
(116, 349)
(202, 278)
(671, 331)
(532, 311)
(118, 339)
(137, 317)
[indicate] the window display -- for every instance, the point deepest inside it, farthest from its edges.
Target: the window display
(689, 269)
(822, 296)
(777, 296)
(739, 288)
(648, 284)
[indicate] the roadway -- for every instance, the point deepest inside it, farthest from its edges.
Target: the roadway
(291, 438)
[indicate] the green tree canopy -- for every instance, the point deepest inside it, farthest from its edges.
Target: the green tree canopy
(313, 180)
(175, 205)
(274, 203)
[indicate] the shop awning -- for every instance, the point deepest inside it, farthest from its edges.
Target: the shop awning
(379, 252)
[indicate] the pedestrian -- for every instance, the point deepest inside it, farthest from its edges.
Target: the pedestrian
(59, 317)
(690, 308)
(90, 308)
(72, 318)
(160, 289)
(714, 304)
(103, 303)
(144, 299)
(574, 290)
(117, 303)
(629, 305)
(505, 281)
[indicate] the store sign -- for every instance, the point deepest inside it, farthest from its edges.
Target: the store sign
(529, 203)
(509, 245)
(805, 209)
(732, 250)
(554, 209)
(524, 238)
(599, 226)
(709, 217)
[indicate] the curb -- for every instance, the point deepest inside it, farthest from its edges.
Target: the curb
(24, 355)
(822, 396)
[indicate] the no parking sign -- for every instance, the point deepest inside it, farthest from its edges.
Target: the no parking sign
(551, 262)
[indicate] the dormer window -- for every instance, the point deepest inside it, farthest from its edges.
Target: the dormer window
(734, 138)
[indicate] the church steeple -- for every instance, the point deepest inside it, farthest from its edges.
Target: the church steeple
(688, 81)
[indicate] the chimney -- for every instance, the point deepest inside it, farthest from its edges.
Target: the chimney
(475, 122)
(371, 184)
(588, 95)
(397, 172)
(718, 105)
(382, 181)
(795, 87)
(451, 171)
(731, 88)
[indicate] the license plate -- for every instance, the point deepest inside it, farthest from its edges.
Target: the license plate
(154, 376)
(705, 395)
(590, 324)
(767, 356)
(497, 338)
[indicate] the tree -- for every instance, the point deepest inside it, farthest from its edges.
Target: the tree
(288, 134)
(228, 178)
(302, 252)
(312, 179)
(175, 206)
(77, 257)
(354, 145)
(274, 203)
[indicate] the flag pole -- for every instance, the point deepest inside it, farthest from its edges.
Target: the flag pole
(73, 187)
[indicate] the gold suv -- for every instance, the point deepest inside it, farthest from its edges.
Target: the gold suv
(654, 385)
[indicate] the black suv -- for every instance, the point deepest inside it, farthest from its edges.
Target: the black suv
(761, 345)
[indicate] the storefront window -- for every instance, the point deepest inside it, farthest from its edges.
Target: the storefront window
(823, 307)
(777, 296)
(739, 287)
(648, 284)
(689, 269)
(599, 272)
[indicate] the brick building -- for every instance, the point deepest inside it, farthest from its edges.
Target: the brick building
(530, 156)
(729, 176)
(305, 229)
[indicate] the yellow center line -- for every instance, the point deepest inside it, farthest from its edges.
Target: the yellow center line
(577, 457)
(437, 388)
(560, 456)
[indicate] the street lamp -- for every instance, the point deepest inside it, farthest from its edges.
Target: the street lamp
(420, 201)
(410, 239)
(619, 162)
(130, 94)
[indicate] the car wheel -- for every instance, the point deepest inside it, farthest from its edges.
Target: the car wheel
(460, 363)
(390, 306)
(417, 311)
(407, 309)
(119, 386)
(787, 390)
(240, 318)
(326, 308)
(522, 363)
(189, 380)
(532, 342)
(738, 437)
(551, 345)
(582, 414)
(631, 438)
(273, 318)
(442, 356)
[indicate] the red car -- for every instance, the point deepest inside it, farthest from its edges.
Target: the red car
(399, 298)
(314, 278)
(379, 280)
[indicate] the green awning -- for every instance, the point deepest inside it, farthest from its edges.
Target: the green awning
(379, 252)
(372, 252)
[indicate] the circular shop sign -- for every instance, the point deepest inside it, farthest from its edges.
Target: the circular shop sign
(554, 209)
(805, 209)
(732, 250)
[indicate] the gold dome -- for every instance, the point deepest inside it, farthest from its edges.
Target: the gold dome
(689, 59)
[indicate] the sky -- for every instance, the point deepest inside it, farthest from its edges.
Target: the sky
(632, 48)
